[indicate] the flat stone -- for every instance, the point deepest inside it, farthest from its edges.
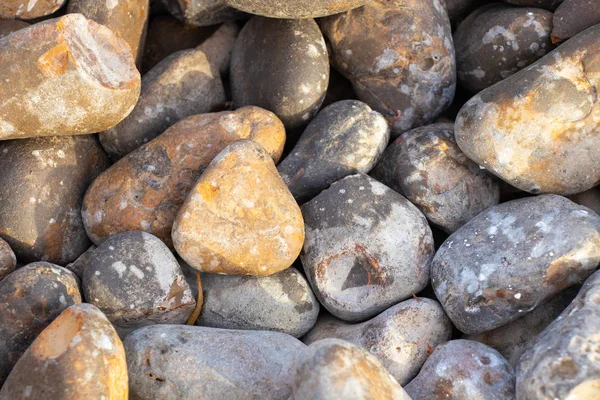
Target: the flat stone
(202, 12)
(295, 9)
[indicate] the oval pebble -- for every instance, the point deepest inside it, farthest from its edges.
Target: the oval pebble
(8, 260)
(295, 9)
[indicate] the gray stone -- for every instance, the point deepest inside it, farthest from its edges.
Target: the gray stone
(202, 12)
(295, 9)
(8, 260)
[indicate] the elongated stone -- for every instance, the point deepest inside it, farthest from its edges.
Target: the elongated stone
(30, 299)
(366, 248)
(190, 362)
(146, 188)
(538, 129)
(240, 218)
(79, 355)
(295, 9)
(512, 257)
(179, 86)
(42, 185)
(65, 76)
(401, 337)
(28, 9)
(344, 138)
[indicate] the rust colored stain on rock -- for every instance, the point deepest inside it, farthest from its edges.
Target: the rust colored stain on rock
(28, 9)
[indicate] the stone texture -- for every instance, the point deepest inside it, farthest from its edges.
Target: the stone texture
(462, 369)
(30, 298)
(401, 337)
(562, 361)
(409, 75)
(537, 129)
(202, 12)
(512, 257)
(128, 19)
(77, 267)
(547, 4)
(65, 76)
(333, 369)
(366, 248)
(574, 16)
(289, 76)
(344, 138)
(181, 85)
(190, 362)
(27, 9)
(240, 218)
(136, 281)
(79, 355)
(219, 46)
(497, 40)
(8, 260)
(295, 9)
(145, 189)
(426, 165)
(590, 198)
(42, 185)
(8, 26)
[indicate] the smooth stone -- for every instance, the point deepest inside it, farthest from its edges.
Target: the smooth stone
(239, 218)
(135, 280)
(401, 337)
(190, 362)
(332, 369)
(512, 257)
(8, 259)
(426, 165)
(295, 9)
(30, 299)
(27, 9)
(366, 248)
(547, 4)
(590, 198)
(42, 185)
(78, 266)
(295, 64)
(345, 138)
(219, 46)
(202, 12)
(8, 26)
(408, 75)
(463, 369)
(573, 17)
(78, 355)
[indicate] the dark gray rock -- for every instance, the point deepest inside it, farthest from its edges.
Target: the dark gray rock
(463, 369)
(562, 361)
(573, 17)
(282, 66)
(344, 138)
(547, 4)
(135, 280)
(512, 257)
(366, 248)
(81, 262)
(191, 362)
(427, 166)
(202, 12)
(401, 337)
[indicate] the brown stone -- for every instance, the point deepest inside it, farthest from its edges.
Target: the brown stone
(240, 218)
(295, 9)
(78, 356)
(28, 9)
(202, 12)
(8, 26)
(574, 16)
(65, 76)
(219, 45)
(128, 19)
(8, 260)
(145, 189)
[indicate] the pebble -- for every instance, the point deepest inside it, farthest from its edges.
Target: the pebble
(295, 9)
(42, 185)
(135, 281)
(399, 56)
(463, 369)
(294, 63)
(536, 129)
(239, 218)
(8, 26)
(426, 165)
(8, 259)
(30, 299)
(401, 337)
(366, 248)
(190, 362)
(344, 138)
(573, 17)
(78, 355)
(26, 9)
(331, 369)
(202, 12)
(219, 46)
(512, 257)
(547, 4)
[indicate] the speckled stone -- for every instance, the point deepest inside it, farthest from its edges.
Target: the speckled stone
(136, 281)
(8, 260)
(463, 369)
(344, 138)
(366, 248)
(401, 337)
(562, 361)
(189, 362)
(240, 218)
(407, 74)
(30, 298)
(538, 129)
(79, 355)
(289, 76)
(426, 165)
(295, 9)
(27, 9)
(202, 12)
(332, 369)
(42, 185)
(512, 257)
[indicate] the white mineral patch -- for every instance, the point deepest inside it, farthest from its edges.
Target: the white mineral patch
(119, 267)
(389, 57)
